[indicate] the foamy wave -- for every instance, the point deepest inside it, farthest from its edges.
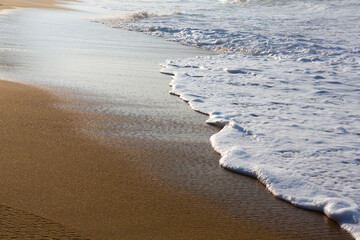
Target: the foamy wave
(119, 21)
(287, 96)
(273, 116)
(138, 16)
(265, 35)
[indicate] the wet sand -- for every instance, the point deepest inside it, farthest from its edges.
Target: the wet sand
(120, 174)
(18, 224)
(49, 169)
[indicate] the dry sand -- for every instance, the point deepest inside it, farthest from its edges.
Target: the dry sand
(11, 4)
(48, 169)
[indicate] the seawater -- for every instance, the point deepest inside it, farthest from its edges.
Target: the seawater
(284, 87)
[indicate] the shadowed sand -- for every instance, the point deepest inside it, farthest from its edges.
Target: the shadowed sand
(48, 168)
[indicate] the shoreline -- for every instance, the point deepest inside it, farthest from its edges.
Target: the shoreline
(87, 188)
(86, 185)
(150, 159)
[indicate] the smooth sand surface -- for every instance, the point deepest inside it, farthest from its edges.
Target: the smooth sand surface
(50, 170)
(11, 4)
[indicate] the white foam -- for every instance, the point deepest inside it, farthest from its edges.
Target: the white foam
(297, 131)
(287, 97)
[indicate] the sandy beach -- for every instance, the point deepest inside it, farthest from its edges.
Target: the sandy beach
(11, 4)
(72, 167)
(46, 167)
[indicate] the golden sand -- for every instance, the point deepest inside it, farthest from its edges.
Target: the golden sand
(48, 169)
(11, 4)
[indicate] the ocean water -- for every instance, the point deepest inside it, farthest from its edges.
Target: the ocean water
(284, 87)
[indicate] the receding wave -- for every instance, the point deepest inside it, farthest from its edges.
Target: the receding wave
(282, 123)
(285, 90)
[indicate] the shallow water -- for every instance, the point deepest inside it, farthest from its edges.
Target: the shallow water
(285, 87)
(107, 67)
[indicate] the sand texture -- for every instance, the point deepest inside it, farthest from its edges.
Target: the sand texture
(48, 169)
(136, 164)
(17, 224)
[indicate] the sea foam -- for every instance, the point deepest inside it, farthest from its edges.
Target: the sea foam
(295, 131)
(284, 89)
